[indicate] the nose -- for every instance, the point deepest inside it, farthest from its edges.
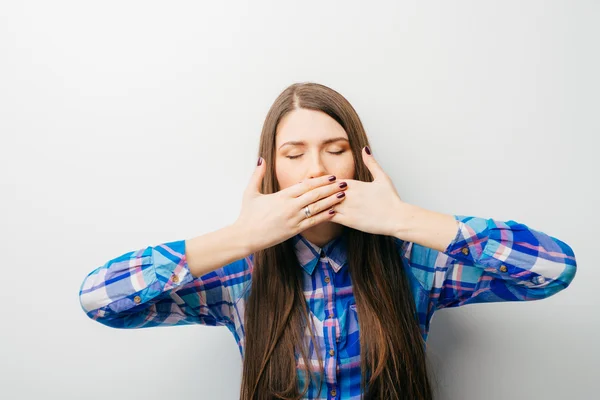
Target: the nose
(316, 167)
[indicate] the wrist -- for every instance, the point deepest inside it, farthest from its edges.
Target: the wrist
(243, 237)
(425, 227)
(404, 217)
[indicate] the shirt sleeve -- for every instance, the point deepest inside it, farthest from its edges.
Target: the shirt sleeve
(153, 286)
(492, 261)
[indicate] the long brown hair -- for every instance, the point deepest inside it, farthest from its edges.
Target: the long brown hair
(392, 349)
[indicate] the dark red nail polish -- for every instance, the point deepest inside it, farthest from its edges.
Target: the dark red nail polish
(259, 161)
(343, 185)
(340, 195)
(331, 211)
(332, 178)
(368, 150)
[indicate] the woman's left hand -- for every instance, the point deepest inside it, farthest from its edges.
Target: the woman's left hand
(372, 207)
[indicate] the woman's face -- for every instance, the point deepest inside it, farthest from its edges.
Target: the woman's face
(317, 145)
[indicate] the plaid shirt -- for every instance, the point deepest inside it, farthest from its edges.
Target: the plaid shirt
(487, 261)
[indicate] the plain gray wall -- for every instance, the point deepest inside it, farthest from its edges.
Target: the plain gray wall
(126, 124)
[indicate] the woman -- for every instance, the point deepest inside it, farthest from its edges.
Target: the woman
(327, 279)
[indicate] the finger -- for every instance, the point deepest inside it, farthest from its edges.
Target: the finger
(313, 220)
(372, 164)
(319, 193)
(256, 179)
(322, 205)
(305, 186)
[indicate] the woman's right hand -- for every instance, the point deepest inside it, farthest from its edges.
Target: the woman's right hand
(270, 219)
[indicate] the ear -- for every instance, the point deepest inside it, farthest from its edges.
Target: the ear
(372, 164)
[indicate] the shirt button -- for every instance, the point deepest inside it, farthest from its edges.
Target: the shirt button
(331, 352)
(327, 279)
(333, 392)
(465, 251)
(175, 278)
(503, 268)
(137, 299)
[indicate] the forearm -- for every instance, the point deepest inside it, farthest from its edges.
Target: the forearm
(216, 249)
(427, 228)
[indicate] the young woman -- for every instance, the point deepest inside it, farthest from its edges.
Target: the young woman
(327, 280)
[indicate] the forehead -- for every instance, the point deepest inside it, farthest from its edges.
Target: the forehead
(307, 125)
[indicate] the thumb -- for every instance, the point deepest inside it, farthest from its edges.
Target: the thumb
(257, 177)
(372, 164)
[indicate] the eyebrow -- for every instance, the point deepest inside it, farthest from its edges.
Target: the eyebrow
(302, 143)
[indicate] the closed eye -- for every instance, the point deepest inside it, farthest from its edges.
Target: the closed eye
(337, 153)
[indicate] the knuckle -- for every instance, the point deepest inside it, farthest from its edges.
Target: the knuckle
(316, 195)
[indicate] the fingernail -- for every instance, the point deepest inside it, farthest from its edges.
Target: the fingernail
(332, 178)
(368, 150)
(340, 195)
(332, 211)
(343, 185)
(259, 161)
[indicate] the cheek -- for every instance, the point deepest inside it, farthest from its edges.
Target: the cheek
(285, 178)
(347, 167)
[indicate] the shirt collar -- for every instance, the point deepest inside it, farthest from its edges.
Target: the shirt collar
(309, 253)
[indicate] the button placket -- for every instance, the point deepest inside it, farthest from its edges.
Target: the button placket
(329, 295)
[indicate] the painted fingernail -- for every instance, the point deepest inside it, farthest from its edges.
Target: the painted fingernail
(259, 161)
(368, 150)
(340, 195)
(332, 178)
(332, 211)
(343, 185)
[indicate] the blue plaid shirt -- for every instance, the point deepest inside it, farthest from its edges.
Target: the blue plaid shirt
(488, 261)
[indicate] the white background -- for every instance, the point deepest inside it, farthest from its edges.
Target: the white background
(125, 124)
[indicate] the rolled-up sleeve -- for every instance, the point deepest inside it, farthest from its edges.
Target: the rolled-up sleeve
(492, 261)
(153, 286)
